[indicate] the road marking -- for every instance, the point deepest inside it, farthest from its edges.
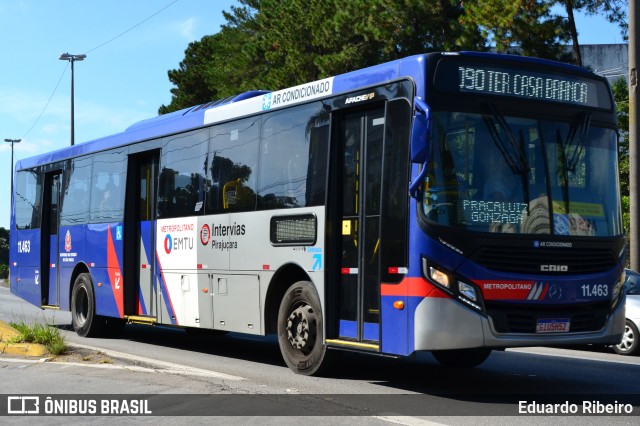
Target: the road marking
(575, 354)
(166, 367)
(407, 420)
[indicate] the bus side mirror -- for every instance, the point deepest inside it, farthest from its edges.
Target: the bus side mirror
(419, 144)
(420, 132)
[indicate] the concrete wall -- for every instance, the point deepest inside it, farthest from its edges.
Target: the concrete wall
(609, 60)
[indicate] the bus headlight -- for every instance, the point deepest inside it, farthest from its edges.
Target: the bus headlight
(467, 291)
(439, 277)
(463, 292)
(470, 295)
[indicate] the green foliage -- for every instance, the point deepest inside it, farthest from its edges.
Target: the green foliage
(614, 10)
(4, 253)
(528, 25)
(271, 44)
(621, 95)
(4, 246)
(47, 335)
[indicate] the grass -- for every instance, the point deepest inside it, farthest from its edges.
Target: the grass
(46, 335)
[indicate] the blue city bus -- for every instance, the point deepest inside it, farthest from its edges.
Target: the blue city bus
(447, 202)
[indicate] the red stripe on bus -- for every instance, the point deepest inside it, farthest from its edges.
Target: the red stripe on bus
(412, 287)
(115, 274)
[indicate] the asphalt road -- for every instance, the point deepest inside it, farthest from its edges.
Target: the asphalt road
(246, 376)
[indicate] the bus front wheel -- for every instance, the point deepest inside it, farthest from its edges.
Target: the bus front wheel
(83, 313)
(462, 358)
(300, 329)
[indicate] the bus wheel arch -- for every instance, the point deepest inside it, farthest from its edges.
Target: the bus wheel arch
(83, 307)
(283, 279)
(80, 268)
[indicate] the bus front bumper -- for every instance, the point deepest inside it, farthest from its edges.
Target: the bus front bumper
(443, 323)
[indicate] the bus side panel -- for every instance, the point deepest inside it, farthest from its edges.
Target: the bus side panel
(71, 249)
(251, 248)
(103, 254)
(399, 326)
(395, 334)
(25, 265)
(177, 267)
(146, 285)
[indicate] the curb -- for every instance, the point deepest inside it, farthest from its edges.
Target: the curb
(21, 349)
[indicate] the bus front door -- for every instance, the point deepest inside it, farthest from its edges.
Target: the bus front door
(360, 146)
(50, 241)
(369, 234)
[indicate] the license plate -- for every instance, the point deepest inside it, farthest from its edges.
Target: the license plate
(553, 325)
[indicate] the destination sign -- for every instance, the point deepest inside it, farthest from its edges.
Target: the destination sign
(516, 81)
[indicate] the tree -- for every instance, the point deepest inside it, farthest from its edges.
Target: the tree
(192, 78)
(528, 25)
(614, 10)
(4, 252)
(621, 95)
(270, 44)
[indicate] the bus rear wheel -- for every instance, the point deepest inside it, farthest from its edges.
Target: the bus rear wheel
(462, 358)
(300, 330)
(83, 308)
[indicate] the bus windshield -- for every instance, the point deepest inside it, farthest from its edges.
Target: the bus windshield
(495, 173)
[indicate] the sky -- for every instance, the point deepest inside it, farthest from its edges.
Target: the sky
(123, 79)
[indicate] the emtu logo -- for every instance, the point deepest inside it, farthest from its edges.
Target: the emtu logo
(168, 244)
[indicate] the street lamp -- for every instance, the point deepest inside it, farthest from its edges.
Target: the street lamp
(12, 141)
(72, 59)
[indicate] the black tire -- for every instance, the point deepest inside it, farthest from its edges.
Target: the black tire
(300, 330)
(83, 308)
(629, 344)
(462, 358)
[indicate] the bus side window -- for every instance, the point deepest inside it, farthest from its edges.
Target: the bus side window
(107, 187)
(27, 199)
(182, 183)
(76, 185)
(234, 159)
(293, 153)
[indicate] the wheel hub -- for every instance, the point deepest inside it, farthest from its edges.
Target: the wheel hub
(298, 328)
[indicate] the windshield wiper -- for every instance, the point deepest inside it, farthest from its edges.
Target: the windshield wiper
(513, 151)
(564, 170)
(571, 152)
(525, 175)
(580, 127)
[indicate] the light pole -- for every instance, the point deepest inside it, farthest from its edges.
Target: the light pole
(72, 59)
(12, 141)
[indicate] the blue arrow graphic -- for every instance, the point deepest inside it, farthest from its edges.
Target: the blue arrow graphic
(318, 265)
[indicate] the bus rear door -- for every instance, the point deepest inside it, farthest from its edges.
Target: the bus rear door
(50, 240)
(140, 292)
